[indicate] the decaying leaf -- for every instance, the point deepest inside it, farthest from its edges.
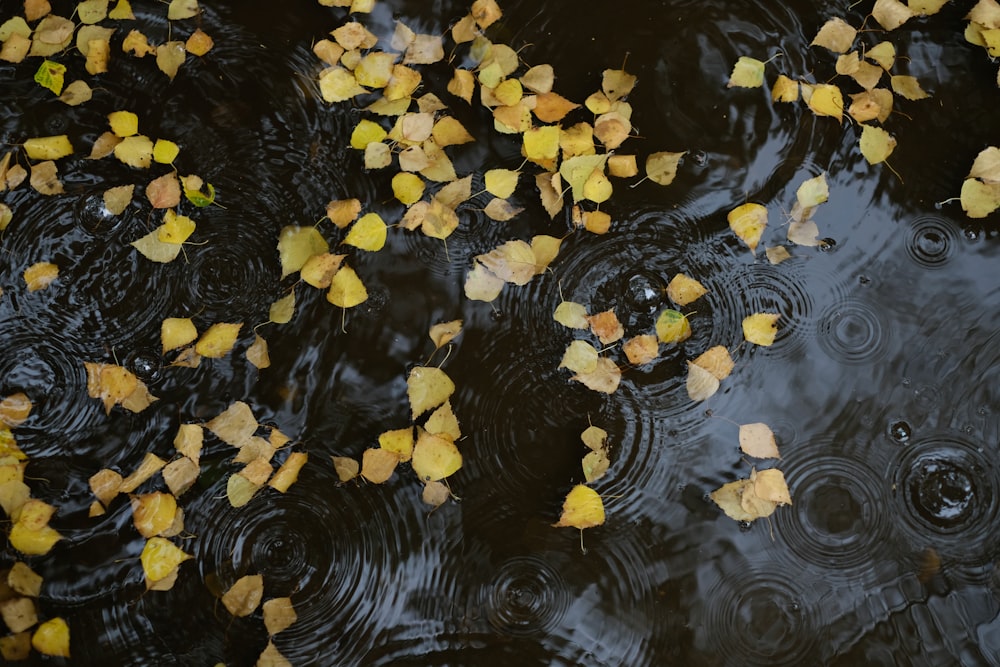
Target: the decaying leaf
(115, 385)
(245, 595)
(701, 384)
(757, 440)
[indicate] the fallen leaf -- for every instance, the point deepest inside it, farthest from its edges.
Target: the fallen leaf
(297, 244)
(604, 378)
(876, 144)
(891, 14)
(153, 513)
(672, 327)
(662, 167)
(40, 275)
(747, 73)
(435, 493)
(377, 464)
(836, 35)
(757, 440)
(748, 222)
(761, 328)
(288, 473)
(580, 357)
(582, 509)
(159, 558)
(427, 387)
(572, 315)
(684, 289)
(24, 580)
(115, 385)
(245, 595)
(701, 384)
(177, 332)
(641, 349)
(595, 464)
(44, 178)
(279, 614)
(235, 425)
(52, 638)
(346, 289)
(180, 475)
(218, 339)
(827, 100)
(908, 87)
(149, 466)
(606, 327)
(435, 457)
(346, 468)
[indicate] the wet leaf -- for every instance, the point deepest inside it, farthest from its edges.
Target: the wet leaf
(748, 222)
(40, 275)
(177, 332)
(485, 13)
(218, 339)
(827, 100)
(891, 14)
(481, 284)
(180, 475)
(346, 289)
(245, 595)
(701, 384)
(296, 245)
(435, 494)
(908, 87)
(52, 638)
(757, 440)
(48, 148)
(641, 349)
(683, 289)
(770, 485)
(279, 614)
(595, 464)
(747, 73)
(580, 357)
(812, 192)
(662, 167)
(572, 315)
(169, 57)
(153, 513)
(31, 533)
(761, 328)
(512, 262)
(435, 457)
(44, 178)
(444, 333)
(149, 466)
(986, 166)
(606, 327)
(604, 378)
(135, 151)
(115, 385)
(319, 270)
(199, 43)
(18, 614)
(427, 387)
(24, 580)
(583, 508)
(346, 468)
(979, 199)
(883, 53)
(51, 75)
(235, 425)
(672, 327)
(377, 465)
(288, 473)
(159, 558)
(836, 35)
(368, 233)
(876, 144)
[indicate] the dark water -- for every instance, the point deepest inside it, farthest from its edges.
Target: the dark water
(881, 386)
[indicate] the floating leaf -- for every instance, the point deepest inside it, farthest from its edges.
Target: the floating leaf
(427, 387)
(51, 75)
(641, 349)
(278, 615)
(444, 333)
(346, 289)
(40, 275)
(296, 245)
(748, 222)
(245, 595)
(662, 167)
(377, 465)
(876, 144)
(979, 199)
(761, 328)
(604, 378)
(572, 315)
(580, 357)
(368, 233)
(153, 513)
(701, 384)
(583, 508)
(48, 148)
(115, 385)
(908, 87)
(827, 100)
(288, 473)
(435, 457)
(891, 13)
(606, 327)
(218, 339)
(683, 289)
(836, 35)
(757, 440)
(52, 638)
(672, 327)
(747, 73)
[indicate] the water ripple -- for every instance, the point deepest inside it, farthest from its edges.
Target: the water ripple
(930, 241)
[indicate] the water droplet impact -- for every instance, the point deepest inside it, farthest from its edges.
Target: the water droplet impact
(644, 292)
(144, 364)
(864, 280)
(900, 431)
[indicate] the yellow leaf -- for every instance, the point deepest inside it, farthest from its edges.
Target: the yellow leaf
(622, 166)
(501, 182)
(337, 84)
(24, 580)
(44, 178)
(672, 327)
(545, 249)
(812, 192)
(572, 315)
(278, 615)
(761, 328)
(49, 74)
(159, 558)
(770, 485)
(153, 513)
(427, 387)
(606, 326)
(785, 89)
(435, 494)
(399, 442)
(402, 83)
(729, 498)
(180, 475)
(346, 289)
(377, 465)
(485, 13)
(908, 87)
(748, 222)
(123, 123)
(150, 465)
(836, 35)
(375, 69)
(240, 490)
(199, 43)
(876, 144)
(296, 245)
(368, 233)
(986, 166)
(218, 339)
(641, 349)
(177, 332)
(235, 425)
(541, 145)
(444, 422)
(366, 132)
(343, 212)
(683, 289)
(407, 188)
(979, 199)
(48, 148)
(616, 83)
(826, 100)
(883, 53)
(701, 384)
(165, 152)
(52, 638)
(435, 457)
(577, 171)
(135, 151)
(891, 13)
(512, 262)
(245, 595)
(604, 378)
(580, 357)
(583, 508)
(444, 333)
(346, 468)
(757, 440)
(595, 464)
(552, 107)
(40, 275)
(482, 284)
(662, 167)
(462, 84)
(747, 73)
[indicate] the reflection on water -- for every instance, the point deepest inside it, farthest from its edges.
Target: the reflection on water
(881, 385)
